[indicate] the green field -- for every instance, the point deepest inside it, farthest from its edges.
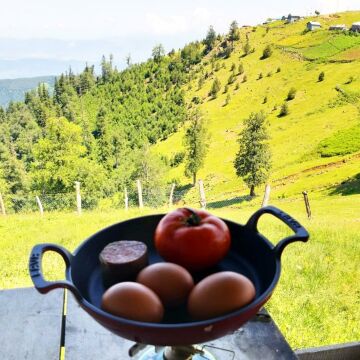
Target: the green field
(316, 301)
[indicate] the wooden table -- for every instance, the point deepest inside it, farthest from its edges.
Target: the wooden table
(53, 326)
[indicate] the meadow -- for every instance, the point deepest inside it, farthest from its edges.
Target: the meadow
(316, 301)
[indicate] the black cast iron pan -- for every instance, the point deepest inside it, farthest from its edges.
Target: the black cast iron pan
(251, 254)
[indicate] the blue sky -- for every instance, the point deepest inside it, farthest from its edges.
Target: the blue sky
(83, 30)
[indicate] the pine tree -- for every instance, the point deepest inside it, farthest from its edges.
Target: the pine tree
(247, 48)
(158, 52)
(253, 160)
(210, 39)
(196, 143)
(234, 33)
(215, 88)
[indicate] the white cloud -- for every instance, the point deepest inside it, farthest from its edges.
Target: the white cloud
(166, 25)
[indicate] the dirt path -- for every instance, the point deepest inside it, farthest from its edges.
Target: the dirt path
(339, 163)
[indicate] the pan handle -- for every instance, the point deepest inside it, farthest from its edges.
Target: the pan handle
(35, 269)
(301, 233)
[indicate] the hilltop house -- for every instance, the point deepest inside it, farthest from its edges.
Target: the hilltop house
(313, 25)
(341, 27)
(355, 26)
(292, 18)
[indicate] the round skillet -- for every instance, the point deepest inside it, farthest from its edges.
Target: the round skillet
(251, 254)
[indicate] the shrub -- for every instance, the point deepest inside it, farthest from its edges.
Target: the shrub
(196, 100)
(260, 76)
(244, 78)
(226, 89)
(177, 159)
(217, 67)
(215, 88)
(237, 86)
(284, 110)
(231, 79)
(350, 80)
(227, 100)
(269, 74)
(265, 100)
(321, 76)
(291, 94)
(232, 67)
(278, 69)
(240, 69)
(267, 52)
(201, 83)
(247, 48)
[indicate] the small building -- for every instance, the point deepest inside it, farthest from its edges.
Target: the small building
(341, 27)
(313, 25)
(355, 27)
(292, 18)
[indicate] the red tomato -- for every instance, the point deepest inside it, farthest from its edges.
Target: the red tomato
(193, 239)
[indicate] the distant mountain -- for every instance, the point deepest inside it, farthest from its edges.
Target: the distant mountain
(15, 89)
(31, 67)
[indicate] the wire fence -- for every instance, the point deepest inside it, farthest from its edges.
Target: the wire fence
(135, 197)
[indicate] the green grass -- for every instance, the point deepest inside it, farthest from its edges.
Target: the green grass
(316, 301)
(341, 143)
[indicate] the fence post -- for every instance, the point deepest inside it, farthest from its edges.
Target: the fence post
(2, 205)
(307, 204)
(40, 205)
(138, 184)
(126, 199)
(202, 194)
(266, 195)
(171, 195)
(78, 197)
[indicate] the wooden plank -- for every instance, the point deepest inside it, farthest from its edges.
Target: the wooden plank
(348, 351)
(86, 339)
(257, 339)
(30, 324)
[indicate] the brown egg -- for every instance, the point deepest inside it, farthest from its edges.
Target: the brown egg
(171, 282)
(133, 301)
(220, 293)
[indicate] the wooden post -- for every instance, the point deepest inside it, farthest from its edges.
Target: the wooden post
(126, 199)
(40, 205)
(2, 205)
(266, 196)
(171, 195)
(307, 204)
(138, 184)
(202, 194)
(78, 197)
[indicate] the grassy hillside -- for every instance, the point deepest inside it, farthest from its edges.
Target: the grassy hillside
(322, 111)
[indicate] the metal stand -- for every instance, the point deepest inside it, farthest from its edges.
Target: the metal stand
(189, 352)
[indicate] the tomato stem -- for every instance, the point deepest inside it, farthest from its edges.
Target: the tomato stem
(194, 219)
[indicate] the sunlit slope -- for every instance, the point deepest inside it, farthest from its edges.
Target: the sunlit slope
(319, 110)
